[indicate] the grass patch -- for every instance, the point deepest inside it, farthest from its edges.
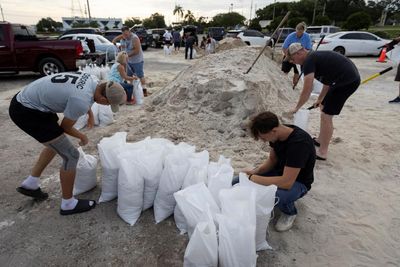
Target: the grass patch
(392, 31)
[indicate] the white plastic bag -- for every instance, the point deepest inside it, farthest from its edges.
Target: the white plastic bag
(236, 243)
(130, 191)
(194, 201)
(317, 87)
(219, 178)
(109, 148)
(105, 115)
(81, 122)
(197, 173)
(138, 92)
(95, 111)
(85, 178)
(202, 249)
(301, 119)
(176, 166)
(265, 202)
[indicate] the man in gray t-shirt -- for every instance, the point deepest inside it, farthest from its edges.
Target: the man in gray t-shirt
(35, 109)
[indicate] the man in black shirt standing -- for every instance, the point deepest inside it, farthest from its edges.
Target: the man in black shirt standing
(340, 79)
(290, 165)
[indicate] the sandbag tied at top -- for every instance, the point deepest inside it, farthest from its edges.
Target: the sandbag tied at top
(265, 202)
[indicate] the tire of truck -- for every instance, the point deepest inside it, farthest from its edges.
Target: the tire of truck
(50, 65)
(144, 47)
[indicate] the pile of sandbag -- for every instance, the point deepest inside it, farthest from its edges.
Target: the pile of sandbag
(102, 114)
(177, 180)
(100, 72)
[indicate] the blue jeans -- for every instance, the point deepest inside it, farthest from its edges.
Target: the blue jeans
(136, 68)
(286, 198)
(128, 89)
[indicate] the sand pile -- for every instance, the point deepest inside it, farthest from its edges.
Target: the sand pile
(229, 43)
(214, 95)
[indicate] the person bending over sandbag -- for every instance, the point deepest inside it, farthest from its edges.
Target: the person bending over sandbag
(35, 109)
(340, 79)
(290, 165)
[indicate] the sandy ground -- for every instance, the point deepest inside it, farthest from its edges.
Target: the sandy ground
(351, 217)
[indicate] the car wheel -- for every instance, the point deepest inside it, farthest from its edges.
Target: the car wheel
(340, 50)
(247, 42)
(144, 47)
(49, 66)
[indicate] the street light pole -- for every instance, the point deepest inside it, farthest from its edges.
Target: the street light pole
(88, 7)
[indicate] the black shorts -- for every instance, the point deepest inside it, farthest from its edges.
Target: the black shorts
(337, 96)
(397, 78)
(177, 44)
(287, 66)
(43, 126)
(167, 42)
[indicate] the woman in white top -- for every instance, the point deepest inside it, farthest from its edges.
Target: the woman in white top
(118, 74)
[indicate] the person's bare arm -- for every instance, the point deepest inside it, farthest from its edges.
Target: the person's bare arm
(285, 181)
(68, 127)
(266, 165)
(117, 38)
(123, 74)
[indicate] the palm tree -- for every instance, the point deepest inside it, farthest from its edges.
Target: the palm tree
(189, 17)
(178, 10)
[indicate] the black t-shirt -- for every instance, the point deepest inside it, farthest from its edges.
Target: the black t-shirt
(297, 151)
(331, 68)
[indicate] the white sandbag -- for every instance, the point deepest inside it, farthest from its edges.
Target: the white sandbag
(176, 166)
(109, 148)
(265, 202)
(317, 87)
(130, 191)
(202, 249)
(95, 111)
(138, 92)
(194, 201)
(105, 115)
(301, 119)
(104, 72)
(236, 243)
(194, 54)
(85, 178)
(239, 203)
(197, 173)
(81, 122)
(167, 51)
(220, 179)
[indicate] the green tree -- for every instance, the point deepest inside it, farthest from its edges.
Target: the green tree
(292, 22)
(189, 17)
(178, 10)
(322, 20)
(94, 24)
(48, 25)
(226, 20)
(357, 21)
(130, 22)
(156, 20)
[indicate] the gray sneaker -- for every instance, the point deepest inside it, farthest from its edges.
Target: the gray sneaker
(285, 222)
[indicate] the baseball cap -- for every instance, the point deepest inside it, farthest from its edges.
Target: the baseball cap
(115, 95)
(293, 48)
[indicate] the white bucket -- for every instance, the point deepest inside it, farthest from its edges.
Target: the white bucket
(301, 119)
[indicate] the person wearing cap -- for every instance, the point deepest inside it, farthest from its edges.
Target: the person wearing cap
(299, 36)
(340, 79)
(34, 110)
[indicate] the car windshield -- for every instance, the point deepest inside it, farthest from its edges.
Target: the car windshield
(314, 30)
(333, 35)
(103, 40)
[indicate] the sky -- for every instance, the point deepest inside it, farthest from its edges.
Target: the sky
(30, 12)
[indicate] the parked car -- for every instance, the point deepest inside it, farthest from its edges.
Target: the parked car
(111, 34)
(82, 30)
(157, 34)
(282, 33)
(141, 32)
(353, 43)
(22, 50)
(217, 33)
(100, 42)
(316, 32)
(250, 37)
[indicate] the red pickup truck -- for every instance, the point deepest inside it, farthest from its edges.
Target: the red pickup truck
(21, 50)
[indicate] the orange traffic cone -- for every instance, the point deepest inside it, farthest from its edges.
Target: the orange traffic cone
(382, 56)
